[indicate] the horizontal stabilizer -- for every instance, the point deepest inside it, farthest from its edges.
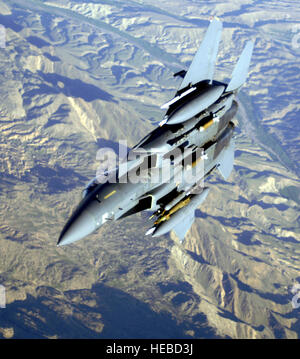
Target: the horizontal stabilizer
(241, 69)
(203, 64)
(226, 163)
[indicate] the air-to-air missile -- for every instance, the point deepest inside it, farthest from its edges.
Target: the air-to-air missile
(164, 173)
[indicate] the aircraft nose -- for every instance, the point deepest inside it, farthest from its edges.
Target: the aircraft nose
(77, 228)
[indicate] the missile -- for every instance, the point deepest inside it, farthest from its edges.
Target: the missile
(175, 201)
(177, 217)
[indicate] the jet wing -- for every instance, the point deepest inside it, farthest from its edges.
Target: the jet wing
(182, 228)
(185, 223)
(202, 66)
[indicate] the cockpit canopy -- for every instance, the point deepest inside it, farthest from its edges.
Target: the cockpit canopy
(90, 187)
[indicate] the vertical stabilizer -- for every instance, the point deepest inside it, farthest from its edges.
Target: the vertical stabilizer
(203, 64)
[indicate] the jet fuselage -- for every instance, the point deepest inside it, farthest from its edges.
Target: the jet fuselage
(164, 172)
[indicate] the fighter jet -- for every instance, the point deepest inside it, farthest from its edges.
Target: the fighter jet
(164, 173)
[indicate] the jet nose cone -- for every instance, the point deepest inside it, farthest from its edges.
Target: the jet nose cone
(77, 228)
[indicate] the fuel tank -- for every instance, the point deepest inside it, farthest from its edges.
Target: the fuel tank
(196, 105)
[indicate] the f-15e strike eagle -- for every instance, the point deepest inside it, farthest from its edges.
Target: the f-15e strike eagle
(164, 172)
